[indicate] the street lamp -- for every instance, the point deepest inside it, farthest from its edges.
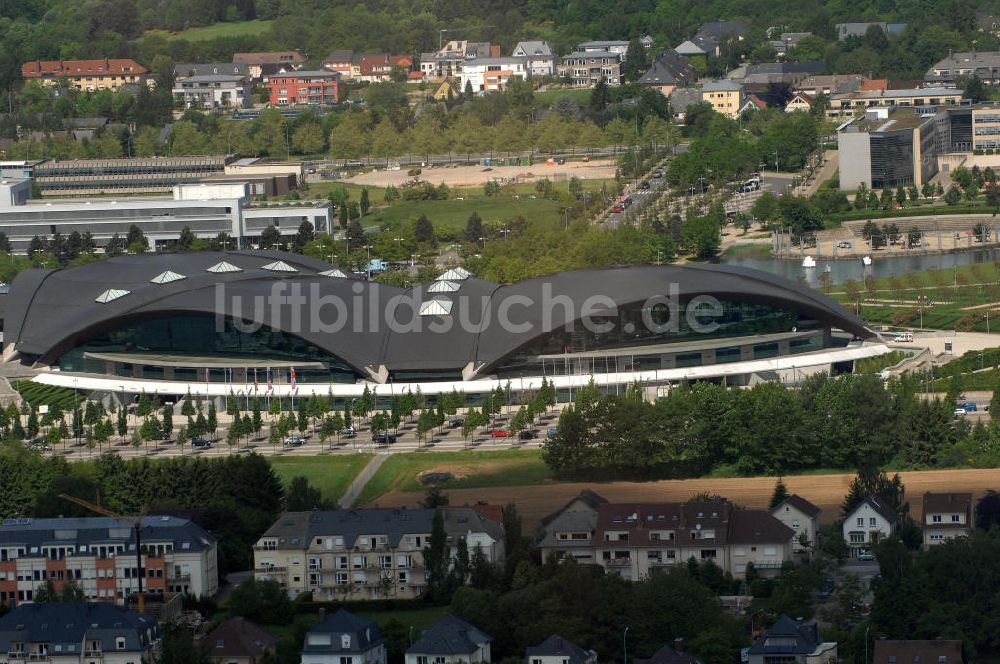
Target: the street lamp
(625, 646)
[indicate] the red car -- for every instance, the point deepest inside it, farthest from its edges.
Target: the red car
(499, 433)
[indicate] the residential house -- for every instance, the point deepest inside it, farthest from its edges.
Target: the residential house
(82, 633)
(988, 23)
(709, 38)
(788, 641)
(774, 73)
(450, 640)
(98, 554)
(787, 41)
(364, 554)
(681, 99)
(483, 75)
(697, 46)
(340, 62)
(237, 641)
(263, 65)
(557, 650)
(586, 68)
(450, 58)
(378, 68)
(752, 103)
(539, 56)
(800, 101)
(668, 72)
(829, 84)
(848, 30)
(187, 70)
(613, 46)
(213, 91)
(304, 87)
(86, 75)
(344, 638)
(801, 516)
(449, 89)
(931, 651)
(725, 96)
(635, 539)
(570, 531)
(951, 70)
(946, 516)
(670, 655)
(867, 524)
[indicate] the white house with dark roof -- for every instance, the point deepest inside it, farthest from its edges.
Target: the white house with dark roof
(868, 524)
(343, 638)
(791, 641)
(801, 516)
(540, 58)
(557, 650)
(450, 640)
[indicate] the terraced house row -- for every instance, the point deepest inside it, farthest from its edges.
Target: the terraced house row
(367, 554)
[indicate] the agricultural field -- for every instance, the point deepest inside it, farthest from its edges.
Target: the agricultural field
(471, 469)
(236, 29)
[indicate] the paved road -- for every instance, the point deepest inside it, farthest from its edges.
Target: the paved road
(640, 198)
(358, 484)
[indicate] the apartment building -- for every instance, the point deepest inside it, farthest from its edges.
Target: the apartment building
(189, 69)
(263, 65)
(205, 209)
(726, 97)
(635, 539)
(212, 91)
(320, 87)
(451, 58)
(946, 516)
(99, 555)
(485, 75)
(586, 68)
(849, 104)
(365, 554)
(78, 633)
(953, 69)
(86, 75)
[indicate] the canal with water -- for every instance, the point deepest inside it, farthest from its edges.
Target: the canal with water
(844, 270)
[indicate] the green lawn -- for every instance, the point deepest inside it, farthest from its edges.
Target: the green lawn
(38, 394)
(473, 469)
(548, 97)
(239, 29)
(331, 474)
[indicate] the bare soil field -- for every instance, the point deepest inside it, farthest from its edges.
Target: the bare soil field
(826, 491)
(475, 176)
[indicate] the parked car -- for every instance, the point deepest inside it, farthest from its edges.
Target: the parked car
(200, 442)
(969, 407)
(657, 174)
(552, 431)
(826, 590)
(867, 556)
(348, 432)
(457, 423)
(844, 245)
(646, 184)
(960, 412)
(383, 438)
(903, 337)
(527, 434)
(499, 433)
(295, 441)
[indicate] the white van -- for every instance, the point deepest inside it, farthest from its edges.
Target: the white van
(904, 337)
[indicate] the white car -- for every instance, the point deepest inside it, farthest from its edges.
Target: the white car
(903, 337)
(960, 412)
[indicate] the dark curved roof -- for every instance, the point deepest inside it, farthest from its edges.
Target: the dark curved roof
(51, 311)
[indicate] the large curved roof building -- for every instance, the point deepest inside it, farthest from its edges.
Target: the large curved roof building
(218, 321)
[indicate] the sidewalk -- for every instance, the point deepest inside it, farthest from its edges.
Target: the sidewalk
(357, 486)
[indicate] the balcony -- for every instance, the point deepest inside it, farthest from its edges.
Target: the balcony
(618, 562)
(15, 655)
(271, 569)
(93, 653)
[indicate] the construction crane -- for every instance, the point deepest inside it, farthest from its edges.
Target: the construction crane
(444, 30)
(134, 521)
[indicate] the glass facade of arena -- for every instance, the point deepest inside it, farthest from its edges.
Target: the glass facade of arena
(636, 327)
(197, 337)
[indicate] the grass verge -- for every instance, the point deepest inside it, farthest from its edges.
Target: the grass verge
(472, 469)
(330, 474)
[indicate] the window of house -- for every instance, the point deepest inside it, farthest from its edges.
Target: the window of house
(421, 659)
(871, 521)
(861, 521)
(120, 642)
(936, 518)
(955, 518)
(345, 641)
(346, 660)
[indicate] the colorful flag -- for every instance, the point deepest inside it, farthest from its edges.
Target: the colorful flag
(269, 384)
(293, 378)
